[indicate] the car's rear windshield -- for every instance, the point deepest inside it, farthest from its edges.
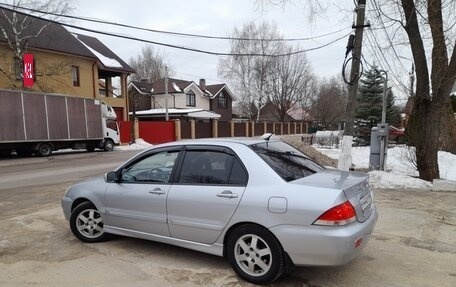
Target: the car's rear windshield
(285, 160)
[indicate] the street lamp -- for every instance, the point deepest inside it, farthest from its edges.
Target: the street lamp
(166, 94)
(385, 92)
(384, 125)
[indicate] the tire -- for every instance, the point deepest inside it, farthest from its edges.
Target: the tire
(86, 223)
(108, 145)
(255, 254)
(44, 150)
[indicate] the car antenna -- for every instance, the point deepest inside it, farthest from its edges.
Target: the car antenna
(267, 136)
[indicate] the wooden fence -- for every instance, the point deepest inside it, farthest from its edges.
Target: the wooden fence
(158, 132)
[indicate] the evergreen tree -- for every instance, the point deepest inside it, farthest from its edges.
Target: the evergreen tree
(369, 105)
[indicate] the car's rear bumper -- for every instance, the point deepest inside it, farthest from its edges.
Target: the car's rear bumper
(324, 245)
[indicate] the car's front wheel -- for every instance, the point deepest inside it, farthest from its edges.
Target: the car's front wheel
(86, 223)
(255, 254)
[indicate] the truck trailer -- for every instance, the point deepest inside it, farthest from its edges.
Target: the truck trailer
(40, 123)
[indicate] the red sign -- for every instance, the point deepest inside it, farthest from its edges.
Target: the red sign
(28, 72)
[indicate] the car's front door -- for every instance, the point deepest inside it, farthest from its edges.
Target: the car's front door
(138, 201)
(205, 194)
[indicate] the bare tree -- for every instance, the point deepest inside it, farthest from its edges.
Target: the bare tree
(248, 74)
(150, 64)
(314, 8)
(17, 28)
(329, 105)
(428, 29)
(289, 81)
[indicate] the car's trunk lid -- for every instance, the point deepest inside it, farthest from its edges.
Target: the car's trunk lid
(354, 185)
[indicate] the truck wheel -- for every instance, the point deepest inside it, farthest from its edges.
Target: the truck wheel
(44, 150)
(108, 145)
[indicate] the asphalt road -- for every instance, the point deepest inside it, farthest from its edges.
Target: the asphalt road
(414, 243)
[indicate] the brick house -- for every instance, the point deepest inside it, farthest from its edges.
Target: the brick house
(65, 62)
(184, 99)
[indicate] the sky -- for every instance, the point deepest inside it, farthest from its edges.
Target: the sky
(215, 18)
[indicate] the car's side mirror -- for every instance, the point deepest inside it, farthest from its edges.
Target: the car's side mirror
(111, 177)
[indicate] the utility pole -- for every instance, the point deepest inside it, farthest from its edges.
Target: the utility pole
(354, 74)
(345, 160)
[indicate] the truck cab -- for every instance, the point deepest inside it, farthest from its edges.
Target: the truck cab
(110, 127)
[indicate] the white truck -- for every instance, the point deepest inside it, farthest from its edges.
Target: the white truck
(39, 123)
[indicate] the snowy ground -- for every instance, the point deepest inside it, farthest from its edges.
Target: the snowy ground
(139, 144)
(400, 170)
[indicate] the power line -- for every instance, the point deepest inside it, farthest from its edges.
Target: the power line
(200, 77)
(183, 47)
(175, 33)
(396, 83)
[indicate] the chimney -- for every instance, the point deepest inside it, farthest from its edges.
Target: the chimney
(202, 84)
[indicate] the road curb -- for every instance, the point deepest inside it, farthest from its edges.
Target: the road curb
(443, 185)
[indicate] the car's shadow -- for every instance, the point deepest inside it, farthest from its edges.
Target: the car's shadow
(219, 267)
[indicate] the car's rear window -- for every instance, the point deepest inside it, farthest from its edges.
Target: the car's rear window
(286, 161)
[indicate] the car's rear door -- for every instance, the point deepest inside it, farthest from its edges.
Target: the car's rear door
(205, 193)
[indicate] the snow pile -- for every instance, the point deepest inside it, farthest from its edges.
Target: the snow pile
(382, 179)
(401, 171)
(447, 165)
(139, 144)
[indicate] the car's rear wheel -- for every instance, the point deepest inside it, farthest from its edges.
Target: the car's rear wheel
(255, 254)
(86, 223)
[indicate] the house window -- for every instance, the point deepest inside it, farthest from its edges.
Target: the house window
(191, 101)
(222, 101)
(75, 75)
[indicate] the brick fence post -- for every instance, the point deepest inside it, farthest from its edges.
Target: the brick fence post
(178, 129)
(192, 129)
(214, 128)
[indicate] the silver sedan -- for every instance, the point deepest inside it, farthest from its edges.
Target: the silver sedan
(262, 204)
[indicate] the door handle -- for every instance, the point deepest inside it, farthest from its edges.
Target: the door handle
(227, 194)
(157, 191)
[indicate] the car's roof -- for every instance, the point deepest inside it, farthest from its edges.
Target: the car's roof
(219, 141)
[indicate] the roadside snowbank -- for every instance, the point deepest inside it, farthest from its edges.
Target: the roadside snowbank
(139, 144)
(400, 170)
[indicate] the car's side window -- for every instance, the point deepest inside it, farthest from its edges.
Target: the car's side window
(154, 168)
(207, 167)
(238, 174)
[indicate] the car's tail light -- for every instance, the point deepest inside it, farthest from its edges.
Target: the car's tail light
(338, 215)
